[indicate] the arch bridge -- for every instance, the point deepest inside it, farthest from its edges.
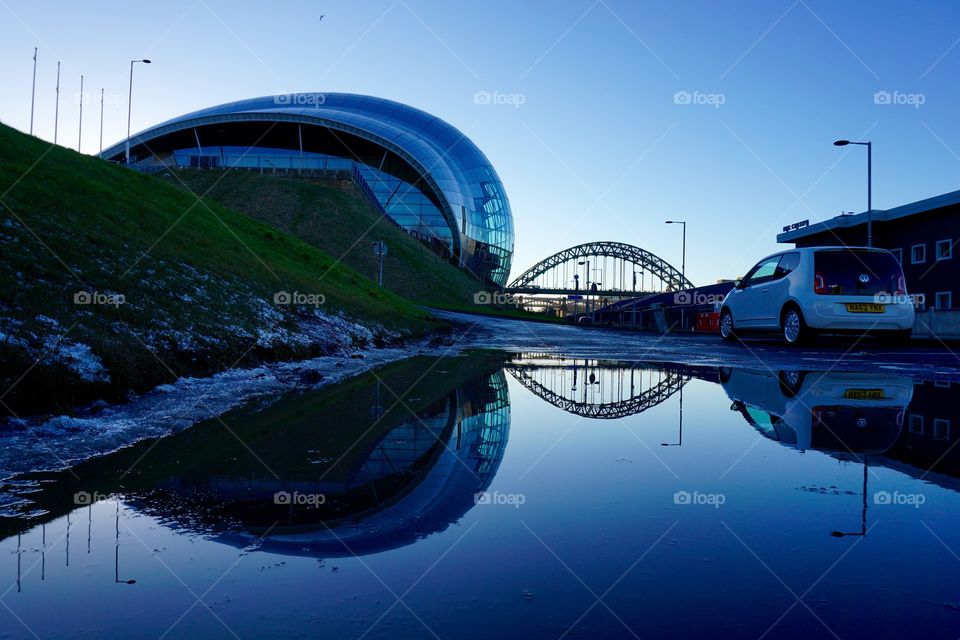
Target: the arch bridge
(613, 268)
(595, 388)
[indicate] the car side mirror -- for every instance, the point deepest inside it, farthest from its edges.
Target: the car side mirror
(738, 284)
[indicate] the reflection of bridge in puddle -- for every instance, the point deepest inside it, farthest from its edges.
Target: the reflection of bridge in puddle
(598, 389)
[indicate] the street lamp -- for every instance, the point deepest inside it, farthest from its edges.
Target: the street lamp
(683, 264)
(869, 146)
(130, 105)
(596, 285)
(587, 289)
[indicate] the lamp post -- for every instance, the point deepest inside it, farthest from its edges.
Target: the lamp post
(129, 107)
(596, 285)
(101, 119)
(869, 146)
(80, 124)
(683, 263)
(576, 287)
(587, 288)
(33, 90)
(56, 108)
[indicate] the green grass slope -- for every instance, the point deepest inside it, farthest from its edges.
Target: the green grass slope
(332, 216)
(198, 281)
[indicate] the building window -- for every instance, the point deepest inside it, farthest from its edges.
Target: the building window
(918, 254)
(898, 254)
(941, 429)
(943, 300)
(916, 424)
(944, 249)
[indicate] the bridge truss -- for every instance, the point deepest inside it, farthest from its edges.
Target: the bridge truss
(615, 268)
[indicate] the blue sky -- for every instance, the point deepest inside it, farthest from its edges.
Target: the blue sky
(609, 116)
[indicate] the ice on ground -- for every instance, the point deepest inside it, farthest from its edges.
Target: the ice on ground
(77, 357)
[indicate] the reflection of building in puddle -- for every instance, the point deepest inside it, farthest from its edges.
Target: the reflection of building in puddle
(926, 447)
(600, 389)
(419, 478)
(348, 469)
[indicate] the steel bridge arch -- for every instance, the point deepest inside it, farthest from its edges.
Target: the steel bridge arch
(609, 411)
(667, 273)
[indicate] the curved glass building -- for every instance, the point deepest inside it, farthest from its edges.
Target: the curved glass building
(421, 172)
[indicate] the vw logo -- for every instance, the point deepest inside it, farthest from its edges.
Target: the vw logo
(864, 278)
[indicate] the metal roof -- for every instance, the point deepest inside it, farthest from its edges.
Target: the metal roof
(879, 215)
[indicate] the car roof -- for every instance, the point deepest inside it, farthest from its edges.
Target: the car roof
(807, 250)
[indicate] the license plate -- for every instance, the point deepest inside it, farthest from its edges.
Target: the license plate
(864, 394)
(865, 307)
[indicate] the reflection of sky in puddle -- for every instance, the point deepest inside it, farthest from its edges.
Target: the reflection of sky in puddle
(717, 527)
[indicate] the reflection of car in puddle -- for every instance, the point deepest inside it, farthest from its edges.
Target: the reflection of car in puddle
(826, 411)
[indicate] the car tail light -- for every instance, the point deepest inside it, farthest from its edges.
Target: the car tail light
(901, 285)
(819, 283)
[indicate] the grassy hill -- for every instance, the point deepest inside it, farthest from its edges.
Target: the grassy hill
(111, 280)
(332, 216)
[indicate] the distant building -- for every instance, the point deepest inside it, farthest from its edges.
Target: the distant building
(921, 234)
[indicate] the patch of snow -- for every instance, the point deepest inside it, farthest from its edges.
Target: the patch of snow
(78, 357)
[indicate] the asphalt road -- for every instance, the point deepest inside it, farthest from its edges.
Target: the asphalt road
(920, 361)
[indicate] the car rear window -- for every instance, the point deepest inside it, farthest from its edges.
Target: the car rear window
(856, 273)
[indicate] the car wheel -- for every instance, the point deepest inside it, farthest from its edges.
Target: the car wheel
(790, 382)
(795, 330)
(726, 325)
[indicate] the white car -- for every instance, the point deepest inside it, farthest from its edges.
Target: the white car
(805, 291)
(826, 411)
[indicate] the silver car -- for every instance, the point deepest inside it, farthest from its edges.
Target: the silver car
(803, 292)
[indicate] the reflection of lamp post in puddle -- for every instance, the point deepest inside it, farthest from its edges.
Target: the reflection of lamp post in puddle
(18, 563)
(680, 434)
(116, 553)
(863, 515)
(376, 410)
